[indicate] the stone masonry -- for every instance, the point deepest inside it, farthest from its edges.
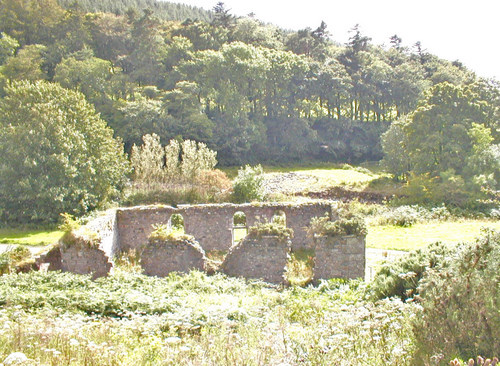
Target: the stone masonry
(212, 224)
(160, 257)
(263, 258)
(91, 250)
(339, 257)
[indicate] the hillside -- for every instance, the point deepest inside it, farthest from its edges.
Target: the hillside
(162, 9)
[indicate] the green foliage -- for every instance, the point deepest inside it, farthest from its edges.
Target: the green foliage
(129, 318)
(460, 302)
(348, 223)
(239, 219)
(81, 237)
(401, 278)
(447, 145)
(8, 47)
(27, 64)
(247, 186)
(408, 215)
(270, 229)
(160, 9)
(249, 90)
(68, 223)
(58, 155)
(12, 258)
(170, 233)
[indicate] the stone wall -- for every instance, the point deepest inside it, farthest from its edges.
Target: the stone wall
(89, 249)
(263, 259)
(50, 260)
(160, 257)
(212, 224)
(339, 257)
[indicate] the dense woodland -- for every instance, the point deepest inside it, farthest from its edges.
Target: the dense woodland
(250, 91)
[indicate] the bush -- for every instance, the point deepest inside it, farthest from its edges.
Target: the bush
(408, 215)
(175, 163)
(165, 233)
(460, 303)
(248, 184)
(401, 278)
(12, 258)
(348, 223)
(270, 229)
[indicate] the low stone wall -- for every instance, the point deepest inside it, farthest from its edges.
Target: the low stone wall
(50, 261)
(339, 257)
(160, 257)
(263, 259)
(85, 260)
(212, 224)
(89, 250)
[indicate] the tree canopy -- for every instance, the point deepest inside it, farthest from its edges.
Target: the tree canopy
(58, 155)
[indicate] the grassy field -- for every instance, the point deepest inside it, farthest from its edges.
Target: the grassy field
(421, 234)
(29, 237)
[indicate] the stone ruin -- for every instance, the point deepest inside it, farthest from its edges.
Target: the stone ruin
(214, 227)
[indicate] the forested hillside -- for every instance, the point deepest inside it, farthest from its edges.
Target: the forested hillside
(251, 91)
(161, 9)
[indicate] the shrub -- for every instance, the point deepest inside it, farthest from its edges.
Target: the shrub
(270, 229)
(175, 163)
(81, 237)
(401, 278)
(248, 184)
(12, 258)
(460, 303)
(163, 232)
(348, 223)
(408, 215)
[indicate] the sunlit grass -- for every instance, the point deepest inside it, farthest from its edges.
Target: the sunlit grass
(421, 234)
(29, 237)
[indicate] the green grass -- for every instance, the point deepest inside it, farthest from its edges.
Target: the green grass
(29, 237)
(239, 233)
(420, 235)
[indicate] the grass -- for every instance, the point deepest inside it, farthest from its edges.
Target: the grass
(29, 237)
(239, 233)
(421, 234)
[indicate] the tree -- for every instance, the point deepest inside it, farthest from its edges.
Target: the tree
(8, 47)
(27, 64)
(437, 133)
(88, 74)
(58, 155)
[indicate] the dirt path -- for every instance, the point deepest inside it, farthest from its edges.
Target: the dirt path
(35, 250)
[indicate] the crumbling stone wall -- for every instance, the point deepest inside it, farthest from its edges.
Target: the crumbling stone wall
(85, 260)
(160, 257)
(263, 258)
(339, 257)
(50, 261)
(212, 224)
(89, 250)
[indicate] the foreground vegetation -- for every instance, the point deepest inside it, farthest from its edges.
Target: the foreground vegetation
(194, 319)
(132, 319)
